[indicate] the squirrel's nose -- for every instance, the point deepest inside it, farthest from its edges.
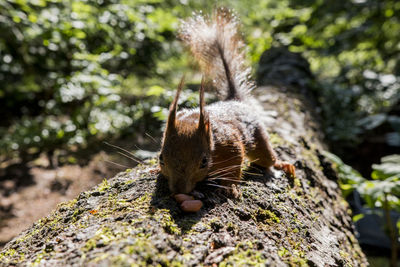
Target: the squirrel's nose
(182, 188)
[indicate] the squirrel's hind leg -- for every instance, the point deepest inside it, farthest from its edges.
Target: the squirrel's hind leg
(262, 154)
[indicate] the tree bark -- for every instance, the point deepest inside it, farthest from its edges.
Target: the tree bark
(278, 221)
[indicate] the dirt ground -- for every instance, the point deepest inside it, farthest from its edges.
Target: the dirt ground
(29, 191)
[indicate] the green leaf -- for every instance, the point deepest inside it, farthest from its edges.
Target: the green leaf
(373, 121)
(346, 186)
(376, 189)
(60, 134)
(347, 174)
(155, 90)
(389, 167)
(358, 217)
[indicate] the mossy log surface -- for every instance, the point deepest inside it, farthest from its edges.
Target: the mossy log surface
(278, 220)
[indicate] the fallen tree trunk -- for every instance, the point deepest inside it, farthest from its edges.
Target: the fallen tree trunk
(130, 219)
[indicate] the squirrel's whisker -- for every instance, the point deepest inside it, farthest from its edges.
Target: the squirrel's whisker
(117, 164)
(132, 158)
(153, 139)
(227, 179)
(126, 151)
(220, 186)
(253, 173)
(220, 174)
(230, 166)
(138, 148)
(218, 162)
(224, 170)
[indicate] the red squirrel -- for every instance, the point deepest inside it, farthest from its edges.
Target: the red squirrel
(213, 140)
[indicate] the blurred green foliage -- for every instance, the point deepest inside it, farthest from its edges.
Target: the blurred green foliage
(384, 184)
(380, 193)
(74, 72)
(353, 48)
(77, 71)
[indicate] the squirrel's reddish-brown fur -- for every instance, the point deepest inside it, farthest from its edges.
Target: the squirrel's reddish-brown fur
(211, 142)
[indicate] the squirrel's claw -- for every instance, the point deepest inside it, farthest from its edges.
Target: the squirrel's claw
(287, 167)
(197, 194)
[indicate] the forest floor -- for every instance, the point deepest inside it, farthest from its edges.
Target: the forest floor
(30, 191)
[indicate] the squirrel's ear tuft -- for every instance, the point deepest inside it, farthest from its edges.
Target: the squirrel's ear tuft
(173, 107)
(202, 102)
(204, 121)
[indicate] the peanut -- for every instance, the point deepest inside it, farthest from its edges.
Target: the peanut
(182, 197)
(191, 205)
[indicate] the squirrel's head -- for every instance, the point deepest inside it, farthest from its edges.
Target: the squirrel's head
(185, 155)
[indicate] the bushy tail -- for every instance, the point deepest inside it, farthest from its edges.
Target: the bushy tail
(218, 47)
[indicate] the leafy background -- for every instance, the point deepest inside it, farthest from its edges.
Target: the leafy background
(76, 73)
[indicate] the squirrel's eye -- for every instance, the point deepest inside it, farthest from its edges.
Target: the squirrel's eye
(203, 163)
(161, 159)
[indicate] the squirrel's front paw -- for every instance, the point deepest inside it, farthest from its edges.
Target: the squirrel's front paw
(234, 192)
(231, 191)
(197, 194)
(287, 167)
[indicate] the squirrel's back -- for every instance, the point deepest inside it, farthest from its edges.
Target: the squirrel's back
(226, 118)
(218, 47)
